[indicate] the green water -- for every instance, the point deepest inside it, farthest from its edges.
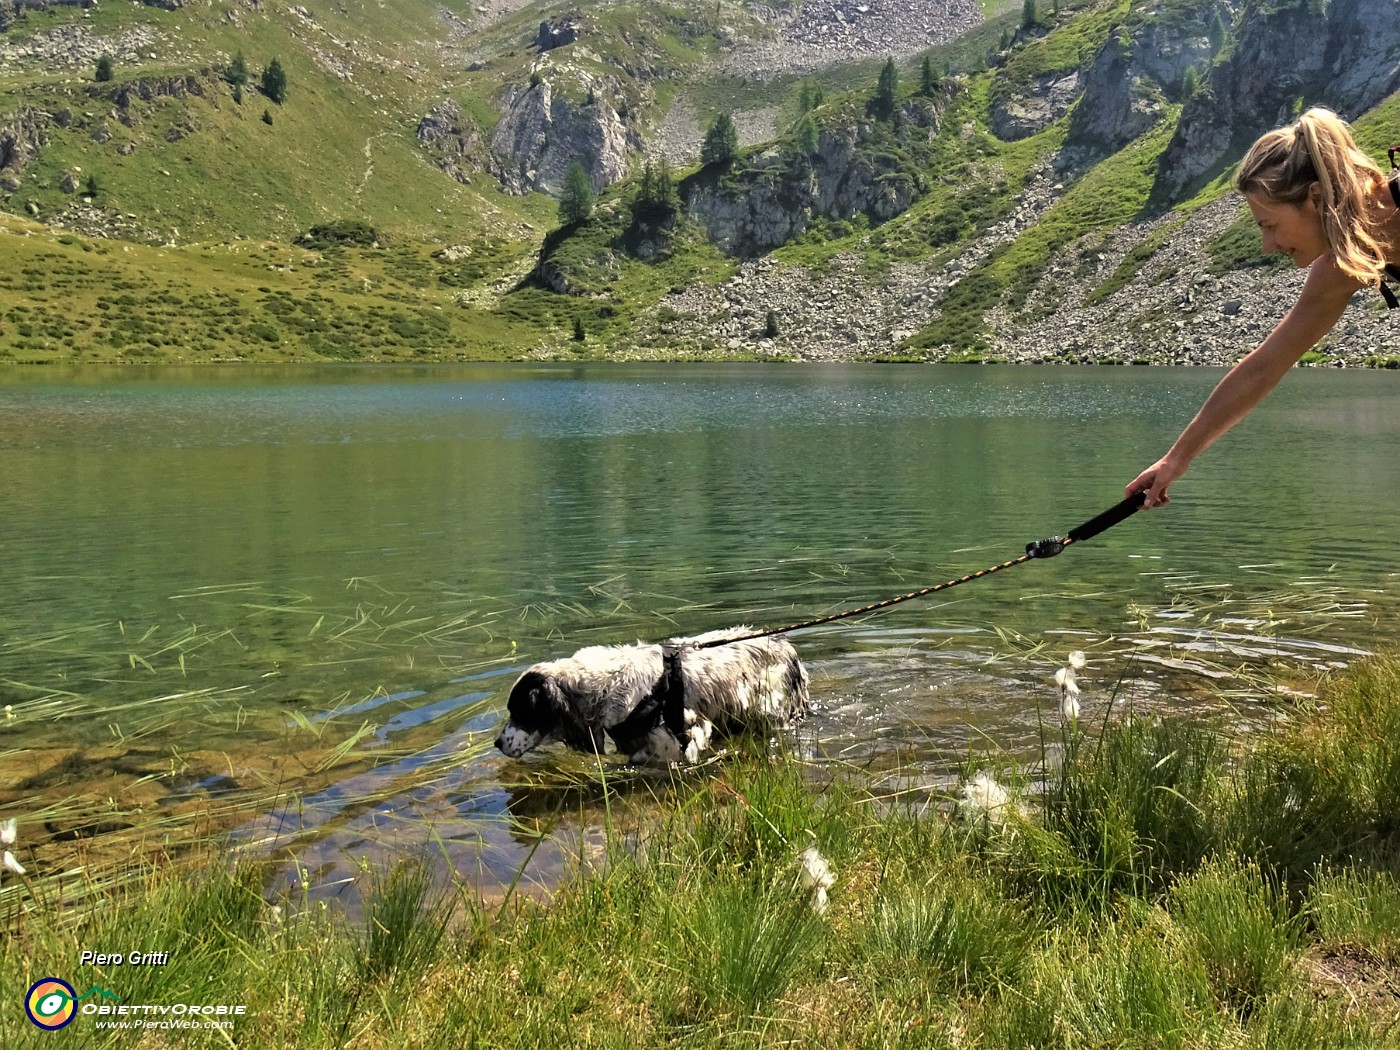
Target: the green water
(289, 602)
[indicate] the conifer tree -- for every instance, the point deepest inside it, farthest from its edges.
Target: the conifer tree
(1190, 83)
(576, 202)
(721, 143)
(237, 73)
(1028, 15)
(1217, 33)
(886, 91)
(104, 68)
(805, 137)
(929, 81)
(274, 82)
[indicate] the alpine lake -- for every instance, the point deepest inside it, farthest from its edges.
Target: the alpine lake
(279, 610)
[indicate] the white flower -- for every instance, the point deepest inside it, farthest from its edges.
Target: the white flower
(7, 838)
(1069, 687)
(1069, 702)
(816, 875)
(1077, 660)
(982, 796)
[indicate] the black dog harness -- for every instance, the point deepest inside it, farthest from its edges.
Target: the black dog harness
(668, 699)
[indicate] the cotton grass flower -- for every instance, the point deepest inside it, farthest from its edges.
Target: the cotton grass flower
(1069, 687)
(7, 838)
(983, 798)
(817, 875)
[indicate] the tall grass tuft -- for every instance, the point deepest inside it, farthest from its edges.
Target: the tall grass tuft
(956, 926)
(1358, 908)
(1124, 813)
(405, 919)
(740, 945)
(1131, 984)
(1236, 918)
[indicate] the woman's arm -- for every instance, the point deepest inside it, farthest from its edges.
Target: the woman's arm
(1325, 295)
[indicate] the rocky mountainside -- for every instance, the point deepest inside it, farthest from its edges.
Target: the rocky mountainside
(1061, 270)
(1043, 183)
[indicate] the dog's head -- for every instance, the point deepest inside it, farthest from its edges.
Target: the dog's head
(540, 711)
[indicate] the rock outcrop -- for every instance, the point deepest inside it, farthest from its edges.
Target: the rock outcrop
(1020, 116)
(1121, 90)
(1343, 55)
(557, 34)
(450, 139)
(541, 134)
(775, 196)
(22, 135)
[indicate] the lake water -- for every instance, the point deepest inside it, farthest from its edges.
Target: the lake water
(288, 603)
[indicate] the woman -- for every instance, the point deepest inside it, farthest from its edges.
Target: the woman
(1319, 199)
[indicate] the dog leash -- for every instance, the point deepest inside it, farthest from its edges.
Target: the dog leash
(1038, 549)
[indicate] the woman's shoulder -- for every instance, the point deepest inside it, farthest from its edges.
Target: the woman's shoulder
(1328, 281)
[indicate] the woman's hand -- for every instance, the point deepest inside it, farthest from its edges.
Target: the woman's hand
(1154, 481)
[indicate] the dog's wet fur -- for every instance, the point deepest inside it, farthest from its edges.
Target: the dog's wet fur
(592, 695)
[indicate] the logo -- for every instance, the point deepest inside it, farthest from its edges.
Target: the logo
(52, 1004)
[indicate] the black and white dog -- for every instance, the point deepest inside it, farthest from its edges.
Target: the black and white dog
(658, 703)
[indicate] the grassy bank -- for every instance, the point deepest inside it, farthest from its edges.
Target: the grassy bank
(1166, 883)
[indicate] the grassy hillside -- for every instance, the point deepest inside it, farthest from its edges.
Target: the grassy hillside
(224, 180)
(160, 217)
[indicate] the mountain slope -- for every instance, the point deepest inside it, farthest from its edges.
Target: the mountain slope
(1050, 198)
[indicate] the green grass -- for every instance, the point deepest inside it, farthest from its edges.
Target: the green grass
(1139, 899)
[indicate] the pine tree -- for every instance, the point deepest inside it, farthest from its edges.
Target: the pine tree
(770, 325)
(1028, 15)
(267, 116)
(104, 68)
(274, 82)
(805, 137)
(886, 91)
(1190, 83)
(1217, 33)
(237, 73)
(929, 81)
(656, 199)
(721, 143)
(576, 202)
(579, 334)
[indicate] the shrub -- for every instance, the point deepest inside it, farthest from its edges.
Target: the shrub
(104, 68)
(340, 232)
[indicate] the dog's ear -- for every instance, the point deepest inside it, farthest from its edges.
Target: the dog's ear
(534, 702)
(570, 724)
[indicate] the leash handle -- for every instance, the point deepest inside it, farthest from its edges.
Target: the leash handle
(1109, 518)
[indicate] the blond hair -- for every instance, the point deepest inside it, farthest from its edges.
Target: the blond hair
(1283, 165)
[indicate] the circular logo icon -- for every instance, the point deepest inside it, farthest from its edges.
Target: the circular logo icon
(51, 1004)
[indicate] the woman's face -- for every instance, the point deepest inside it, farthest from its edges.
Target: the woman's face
(1295, 229)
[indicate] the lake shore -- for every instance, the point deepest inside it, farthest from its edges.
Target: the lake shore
(1162, 881)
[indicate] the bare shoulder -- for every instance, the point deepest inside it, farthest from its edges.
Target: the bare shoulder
(1327, 286)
